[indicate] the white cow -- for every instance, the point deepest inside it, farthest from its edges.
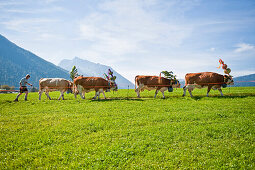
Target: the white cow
(54, 84)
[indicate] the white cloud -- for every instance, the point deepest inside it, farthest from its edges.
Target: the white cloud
(50, 1)
(212, 49)
(11, 3)
(115, 30)
(242, 47)
(35, 11)
(242, 72)
(27, 25)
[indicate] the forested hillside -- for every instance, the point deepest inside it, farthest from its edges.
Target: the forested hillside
(245, 81)
(16, 62)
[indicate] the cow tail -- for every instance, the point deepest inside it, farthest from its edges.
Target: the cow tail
(136, 81)
(160, 80)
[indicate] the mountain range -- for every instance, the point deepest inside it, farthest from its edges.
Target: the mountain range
(88, 68)
(16, 62)
(244, 81)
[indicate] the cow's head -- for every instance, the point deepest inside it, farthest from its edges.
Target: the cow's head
(228, 80)
(113, 85)
(70, 88)
(175, 83)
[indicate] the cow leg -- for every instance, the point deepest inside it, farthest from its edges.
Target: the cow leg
(96, 94)
(47, 94)
(102, 91)
(82, 94)
(208, 90)
(40, 94)
(63, 92)
(220, 91)
(184, 91)
(162, 91)
(138, 92)
(104, 95)
(61, 95)
(156, 92)
(190, 92)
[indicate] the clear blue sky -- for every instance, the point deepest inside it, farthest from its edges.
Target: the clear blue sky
(137, 37)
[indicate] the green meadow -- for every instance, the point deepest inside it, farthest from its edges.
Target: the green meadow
(124, 132)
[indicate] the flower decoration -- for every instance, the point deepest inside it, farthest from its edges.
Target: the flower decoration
(110, 76)
(224, 67)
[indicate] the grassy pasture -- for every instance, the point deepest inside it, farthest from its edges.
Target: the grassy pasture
(129, 133)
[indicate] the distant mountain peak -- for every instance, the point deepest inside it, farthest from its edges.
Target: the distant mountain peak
(88, 68)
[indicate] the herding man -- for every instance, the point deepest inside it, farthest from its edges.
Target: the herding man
(23, 87)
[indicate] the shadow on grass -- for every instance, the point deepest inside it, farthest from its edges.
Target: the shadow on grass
(56, 99)
(235, 96)
(6, 101)
(225, 96)
(116, 99)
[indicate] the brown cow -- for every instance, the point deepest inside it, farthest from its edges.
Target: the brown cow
(98, 84)
(154, 82)
(54, 84)
(206, 79)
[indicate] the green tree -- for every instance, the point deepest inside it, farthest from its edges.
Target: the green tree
(169, 75)
(73, 73)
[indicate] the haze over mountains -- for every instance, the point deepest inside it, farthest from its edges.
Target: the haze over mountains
(87, 68)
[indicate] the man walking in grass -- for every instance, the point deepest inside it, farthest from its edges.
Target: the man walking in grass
(23, 87)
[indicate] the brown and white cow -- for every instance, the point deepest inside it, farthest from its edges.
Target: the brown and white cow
(154, 82)
(207, 80)
(98, 84)
(54, 84)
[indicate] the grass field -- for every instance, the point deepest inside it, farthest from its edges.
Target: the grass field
(128, 133)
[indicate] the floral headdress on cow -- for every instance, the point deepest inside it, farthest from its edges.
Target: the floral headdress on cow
(110, 76)
(224, 67)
